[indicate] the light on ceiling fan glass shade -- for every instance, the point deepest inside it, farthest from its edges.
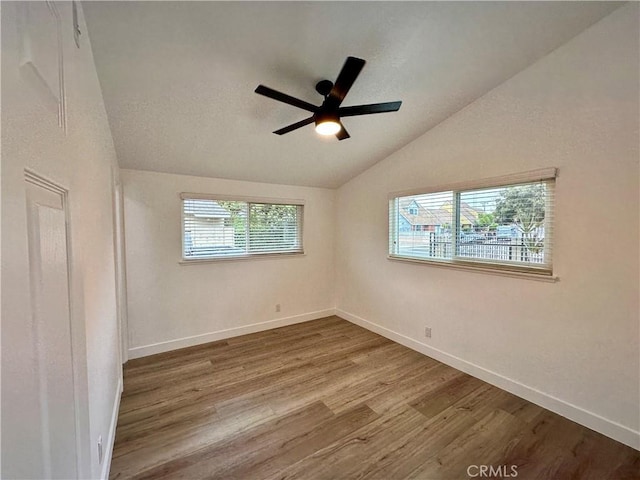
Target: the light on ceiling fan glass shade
(327, 127)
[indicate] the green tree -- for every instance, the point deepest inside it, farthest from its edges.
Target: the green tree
(278, 222)
(237, 221)
(486, 221)
(524, 206)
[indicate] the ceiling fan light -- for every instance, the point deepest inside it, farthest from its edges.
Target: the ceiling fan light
(328, 127)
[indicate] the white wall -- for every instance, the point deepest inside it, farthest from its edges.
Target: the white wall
(172, 305)
(573, 345)
(81, 161)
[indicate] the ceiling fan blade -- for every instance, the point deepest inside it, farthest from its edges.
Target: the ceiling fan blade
(283, 97)
(369, 109)
(294, 126)
(346, 77)
(342, 134)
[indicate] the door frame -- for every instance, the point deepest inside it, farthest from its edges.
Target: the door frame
(120, 265)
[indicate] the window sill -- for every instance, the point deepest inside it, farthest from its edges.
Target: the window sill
(542, 276)
(235, 258)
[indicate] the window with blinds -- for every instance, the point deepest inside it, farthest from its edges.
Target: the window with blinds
(214, 228)
(504, 223)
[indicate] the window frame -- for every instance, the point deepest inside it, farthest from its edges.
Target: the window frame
(515, 269)
(300, 203)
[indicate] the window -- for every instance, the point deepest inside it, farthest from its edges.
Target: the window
(214, 228)
(503, 223)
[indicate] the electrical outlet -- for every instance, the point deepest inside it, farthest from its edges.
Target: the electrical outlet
(427, 332)
(277, 307)
(100, 449)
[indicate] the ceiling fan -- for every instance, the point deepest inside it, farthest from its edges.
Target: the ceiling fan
(327, 116)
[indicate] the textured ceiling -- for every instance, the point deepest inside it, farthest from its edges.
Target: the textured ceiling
(178, 77)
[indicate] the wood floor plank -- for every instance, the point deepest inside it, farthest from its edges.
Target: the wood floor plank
(375, 379)
(289, 396)
(152, 379)
(329, 400)
(411, 387)
(297, 449)
(159, 446)
(445, 393)
(482, 444)
(407, 453)
(230, 452)
(338, 459)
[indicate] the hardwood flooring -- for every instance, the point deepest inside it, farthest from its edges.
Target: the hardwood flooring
(329, 400)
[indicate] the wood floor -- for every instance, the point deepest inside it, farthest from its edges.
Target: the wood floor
(329, 400)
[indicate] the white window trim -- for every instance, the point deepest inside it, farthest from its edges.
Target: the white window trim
(479, 266)
(239, 198)
(476, 268)
(242, 258)
(505, 180)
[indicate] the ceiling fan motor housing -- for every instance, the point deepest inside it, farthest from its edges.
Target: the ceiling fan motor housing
(323, 87)
(323, 116)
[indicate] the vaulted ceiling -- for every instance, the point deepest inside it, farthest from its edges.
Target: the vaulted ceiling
(178, 78)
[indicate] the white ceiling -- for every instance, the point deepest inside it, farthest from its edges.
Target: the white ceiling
(178, 77)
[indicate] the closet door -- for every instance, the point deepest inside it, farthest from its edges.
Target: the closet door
(51, 324)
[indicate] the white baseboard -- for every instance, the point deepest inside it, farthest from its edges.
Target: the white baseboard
(572, 412)
(169, 345)
(108, 453)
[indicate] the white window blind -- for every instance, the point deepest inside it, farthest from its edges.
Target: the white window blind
(507, 226)
(218, 228)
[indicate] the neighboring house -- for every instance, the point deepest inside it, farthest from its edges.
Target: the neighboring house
(207, 225)
(415, 217)
(468, 214)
